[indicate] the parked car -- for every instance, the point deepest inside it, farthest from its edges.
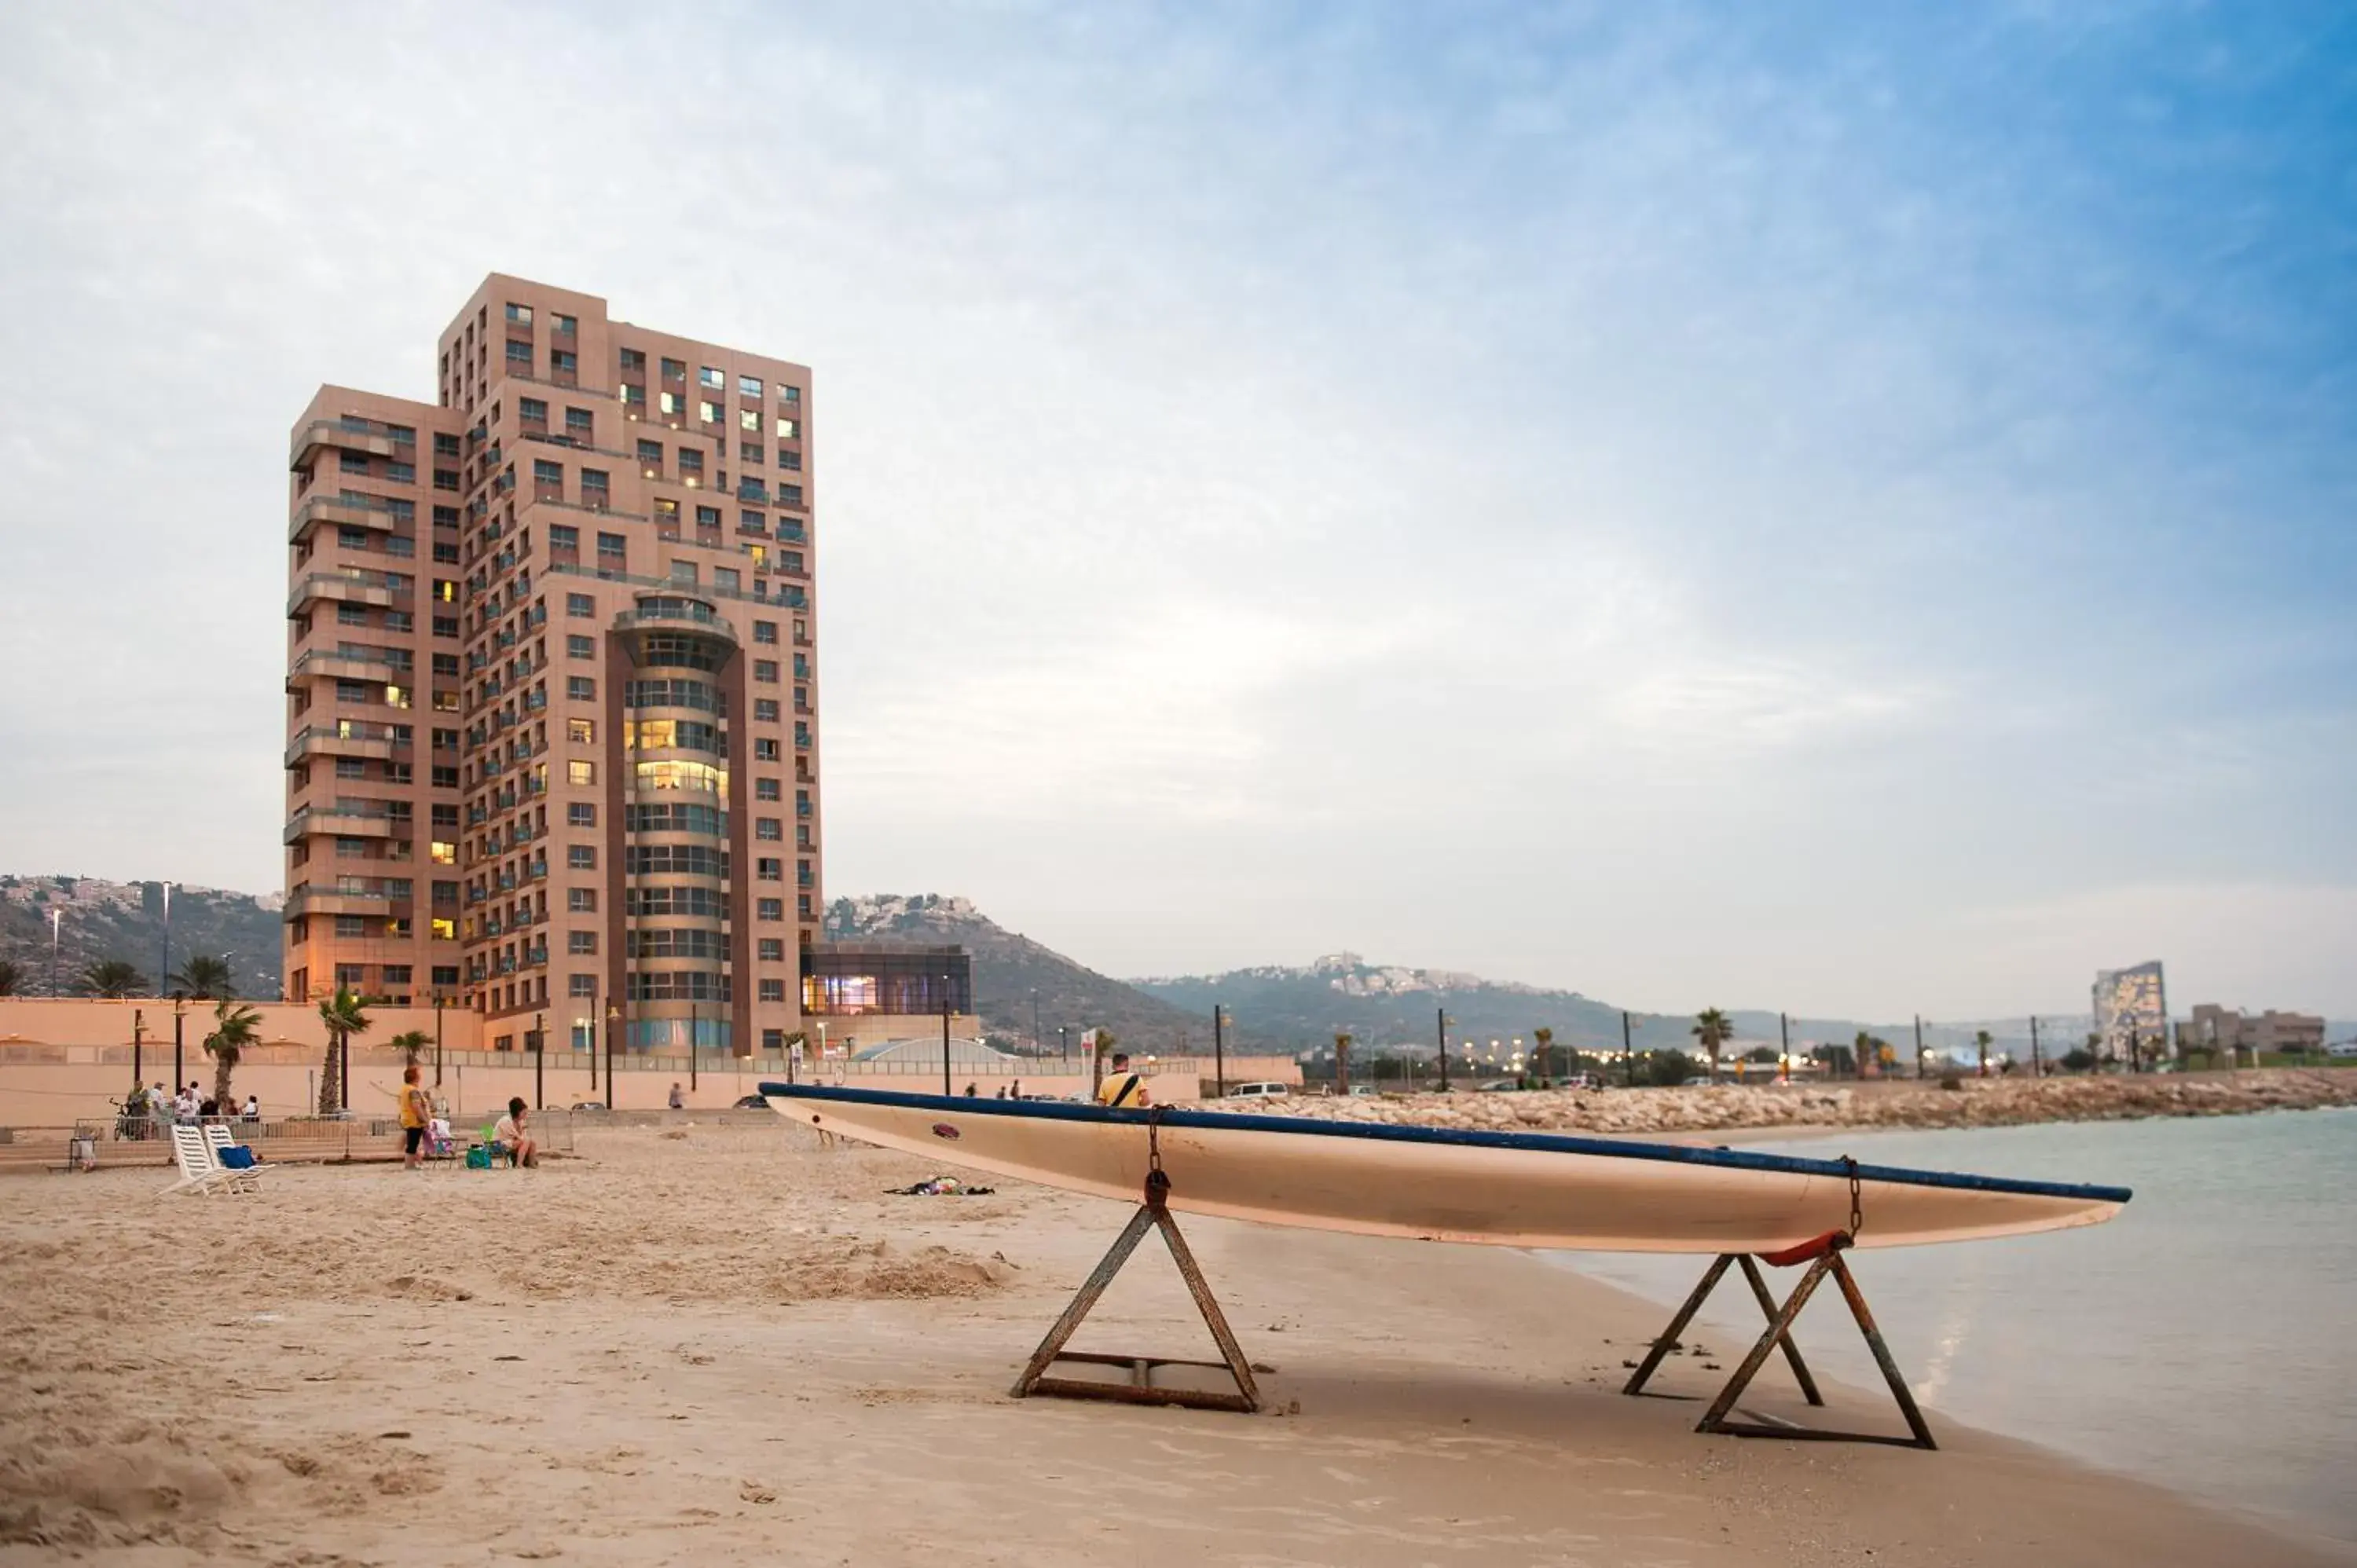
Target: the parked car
(751, 1102)
(1258, 1091)
(1498, 1086)
(1366, 1091)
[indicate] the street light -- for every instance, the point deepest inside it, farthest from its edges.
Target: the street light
(945, 1037)
(613, 1025)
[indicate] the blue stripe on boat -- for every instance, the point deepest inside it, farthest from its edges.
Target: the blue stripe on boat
(1679, 1154)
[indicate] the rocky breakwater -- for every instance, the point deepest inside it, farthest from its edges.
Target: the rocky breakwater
(1972, 1102)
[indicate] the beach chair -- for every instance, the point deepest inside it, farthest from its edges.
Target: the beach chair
(242, 1178)
(200, 1171)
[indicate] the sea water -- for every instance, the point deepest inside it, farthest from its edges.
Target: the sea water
(2205, 1341)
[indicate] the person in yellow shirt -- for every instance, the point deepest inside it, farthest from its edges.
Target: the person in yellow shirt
(416, 1109)
(1122, 1088)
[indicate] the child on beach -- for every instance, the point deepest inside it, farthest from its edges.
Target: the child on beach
(512, 1136)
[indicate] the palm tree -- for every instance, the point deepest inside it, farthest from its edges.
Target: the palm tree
(1543, 1039)
(1983, 1039)
(1342, 1064)
(1106, 1040)
(410, 1045)
(345, 1015)
(112, 977)
(1863, 1047)
(206, 977)
(9, 976)
(235, 1027)
(1712, 1029)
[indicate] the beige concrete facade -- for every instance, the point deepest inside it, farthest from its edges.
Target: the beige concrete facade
(553, 708)
(68, 1060)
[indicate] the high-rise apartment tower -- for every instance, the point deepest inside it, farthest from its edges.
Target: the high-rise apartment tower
(552, 684)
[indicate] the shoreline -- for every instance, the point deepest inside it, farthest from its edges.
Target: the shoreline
(1803, 1109)
(727, 1332)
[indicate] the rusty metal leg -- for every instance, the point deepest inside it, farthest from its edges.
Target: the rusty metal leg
(1778, 1327)
(1094, 1287)
(1792, 1349)
(1207, 1304)
(1899, 1389)
(1669, 1336)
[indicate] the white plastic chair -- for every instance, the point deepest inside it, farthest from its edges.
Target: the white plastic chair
(200, 1171)
(217, 1138)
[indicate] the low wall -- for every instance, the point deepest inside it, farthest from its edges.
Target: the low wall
(62, 1061)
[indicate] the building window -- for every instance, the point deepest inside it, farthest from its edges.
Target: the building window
(446, 478)
(564, 536)
(579, 647)
(520, 356)
(634, 359)
(770, 909)
(445, 777)
(581, 857)
(749, 419)
(401, 473)
(581, 688)
(580, 942)
(766, 670)
(444, 445)
(579, 771)
(594, 493)
(545, 473)
(531, 411)
(581, 985)
(445, 974)
(442, 853)
(765, 709)
(580, 814)
(611, 548)
(788, 429)
(519, 314)
(581, 900)
(765, 790)
(765, 749)
(768, 828)
(712, 378)
(773, 991)
(765, 631)
(564, 361)
(772, 949)
(581, 732)
(748, 386)
(769, 870)
(564, 324)
(581, 603)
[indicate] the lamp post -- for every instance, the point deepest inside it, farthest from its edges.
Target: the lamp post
(179, 1017)
(2037, 1062)
(613, 1028)
(163, 974)
(1784, 1057)
(945, 1037)
(138, 1035)
(1628, 1053)
(539, 1067)
(439, 1000)
(1441, 1013)
(1219, 1054)
(57, 925)
(1063, 1045)
(1035, 1017)
(1919, 1045)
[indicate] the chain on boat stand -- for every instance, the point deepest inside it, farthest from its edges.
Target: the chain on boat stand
(1153, 1212)
(1824, 1256)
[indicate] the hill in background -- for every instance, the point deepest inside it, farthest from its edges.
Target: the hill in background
(125, 920)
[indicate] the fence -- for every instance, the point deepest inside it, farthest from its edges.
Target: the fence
(125, 1140)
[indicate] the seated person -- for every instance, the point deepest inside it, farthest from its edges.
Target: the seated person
(513, 1136)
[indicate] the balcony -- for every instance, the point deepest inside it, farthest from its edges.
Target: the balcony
(664, 614)
(320, 664)
(340, 821)
(372, 436)
(309, 901)
(344, 511)
(340, 740)
(352, 588)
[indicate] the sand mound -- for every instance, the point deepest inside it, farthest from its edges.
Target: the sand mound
(147, 1484)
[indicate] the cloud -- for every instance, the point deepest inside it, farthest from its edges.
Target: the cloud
(1646, 500)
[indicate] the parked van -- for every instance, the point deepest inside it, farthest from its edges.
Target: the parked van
(1257, 1091)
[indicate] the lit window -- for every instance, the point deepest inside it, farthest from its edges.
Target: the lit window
(708, 411)
(445, 930)
(714, 379)
(788, 429)
(579, 771)
(582, 730)
(445, 853)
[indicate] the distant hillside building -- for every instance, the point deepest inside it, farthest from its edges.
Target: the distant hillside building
(2131, 1011)
(2230, 1029)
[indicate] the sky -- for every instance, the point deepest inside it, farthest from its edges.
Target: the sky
(1845, 510)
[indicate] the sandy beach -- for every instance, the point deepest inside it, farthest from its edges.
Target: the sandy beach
(722, 1344)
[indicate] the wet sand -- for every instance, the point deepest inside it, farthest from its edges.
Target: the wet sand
(722, 1344)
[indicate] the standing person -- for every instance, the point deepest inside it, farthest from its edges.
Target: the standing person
(252, 1107)
(416, 1109)
(1122, 1089)
(678, 1101)
(513, 1134)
